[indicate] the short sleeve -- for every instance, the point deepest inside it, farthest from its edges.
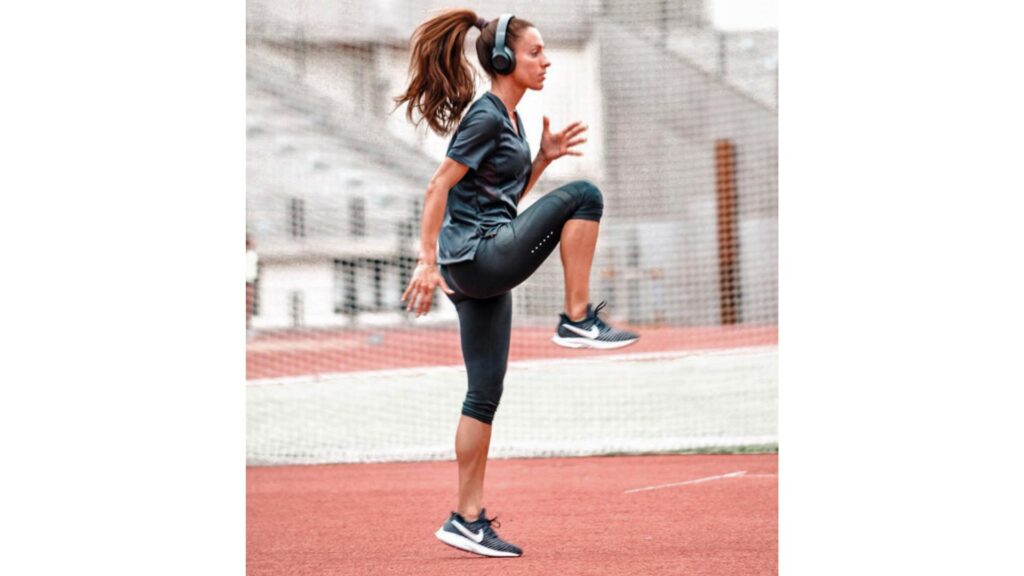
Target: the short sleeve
(476, 137)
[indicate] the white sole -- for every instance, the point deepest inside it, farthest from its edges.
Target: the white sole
(468, 545)
(580, 343)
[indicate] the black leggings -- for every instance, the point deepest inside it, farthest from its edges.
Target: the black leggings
(483, 287)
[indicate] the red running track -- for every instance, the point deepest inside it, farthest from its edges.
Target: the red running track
(570, 516)
(277, 354)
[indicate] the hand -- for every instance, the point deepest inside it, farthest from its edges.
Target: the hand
(554, 146)
(425, 279)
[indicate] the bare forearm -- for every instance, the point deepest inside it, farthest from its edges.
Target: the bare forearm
(539, 165)
(430, 225)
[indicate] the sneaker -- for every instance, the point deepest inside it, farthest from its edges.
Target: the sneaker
(591, 332)
(477, 537)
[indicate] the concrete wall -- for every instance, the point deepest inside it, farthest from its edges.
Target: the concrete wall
(391, 21)
(661, 138)
(748, 60)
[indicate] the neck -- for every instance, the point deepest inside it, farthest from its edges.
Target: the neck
(509, 93)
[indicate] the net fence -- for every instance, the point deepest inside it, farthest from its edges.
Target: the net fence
(683, 144)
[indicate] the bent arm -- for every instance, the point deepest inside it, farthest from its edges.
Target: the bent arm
(447, 175)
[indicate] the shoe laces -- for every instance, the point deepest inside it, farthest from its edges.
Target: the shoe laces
(483, 521)
(597, 320)
(489, 521)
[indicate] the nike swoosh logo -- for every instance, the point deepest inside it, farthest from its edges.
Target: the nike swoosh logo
(478, 537)
(592, 333)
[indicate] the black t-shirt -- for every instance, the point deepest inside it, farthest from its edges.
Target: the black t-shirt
(487, 196)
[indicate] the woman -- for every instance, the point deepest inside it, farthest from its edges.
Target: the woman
(483, 249)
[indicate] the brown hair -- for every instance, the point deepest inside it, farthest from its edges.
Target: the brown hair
(441, 84)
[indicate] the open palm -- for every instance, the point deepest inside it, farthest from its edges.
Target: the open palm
(555, 145)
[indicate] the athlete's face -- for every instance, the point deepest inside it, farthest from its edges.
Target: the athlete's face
(531, 61)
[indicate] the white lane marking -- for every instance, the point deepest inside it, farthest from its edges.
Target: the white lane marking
(695, 481)
(532, 364)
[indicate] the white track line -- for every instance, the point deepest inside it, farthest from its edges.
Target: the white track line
(534, 363)
(696, 481)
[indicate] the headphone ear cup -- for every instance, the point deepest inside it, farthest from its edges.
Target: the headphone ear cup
(503, 61)
(511, 60)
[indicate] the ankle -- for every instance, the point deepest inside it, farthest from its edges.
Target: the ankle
(578, 316)
(470, 517)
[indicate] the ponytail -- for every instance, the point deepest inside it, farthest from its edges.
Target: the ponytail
(441, 84)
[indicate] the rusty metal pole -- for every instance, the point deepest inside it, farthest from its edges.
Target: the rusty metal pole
(728, 244)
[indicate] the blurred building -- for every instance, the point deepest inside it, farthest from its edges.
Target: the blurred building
(335, 179)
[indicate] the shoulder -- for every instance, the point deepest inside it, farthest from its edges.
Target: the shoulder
(481, 114)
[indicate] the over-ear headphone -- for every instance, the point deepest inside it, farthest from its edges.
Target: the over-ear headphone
(503, 60)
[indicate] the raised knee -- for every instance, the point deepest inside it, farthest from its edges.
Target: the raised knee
(589, 190)
(591, 199)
